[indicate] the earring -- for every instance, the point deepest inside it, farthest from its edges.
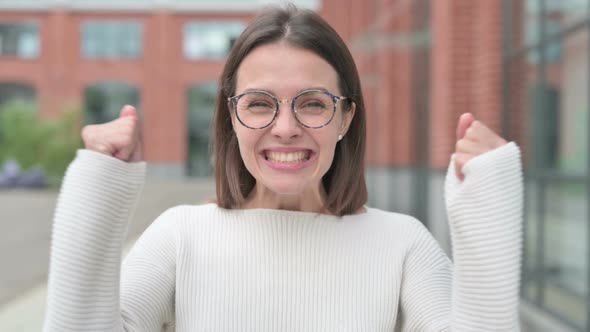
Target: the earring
(340, 137)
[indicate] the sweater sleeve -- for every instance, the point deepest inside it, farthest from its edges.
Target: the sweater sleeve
(95, 203)
(485, 216)
(479, 292)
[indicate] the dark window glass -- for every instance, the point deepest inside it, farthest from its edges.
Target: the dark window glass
(103, 101)
(19, 39)
(14, 91)
(200, 104)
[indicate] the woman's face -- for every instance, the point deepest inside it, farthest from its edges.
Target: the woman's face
(287, 158)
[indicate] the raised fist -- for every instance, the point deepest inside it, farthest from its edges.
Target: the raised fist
(120, 138)
(473, 139)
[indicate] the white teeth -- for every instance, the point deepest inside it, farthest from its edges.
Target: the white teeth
(287, 157)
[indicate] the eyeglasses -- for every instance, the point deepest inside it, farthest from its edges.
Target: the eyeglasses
(258, 109)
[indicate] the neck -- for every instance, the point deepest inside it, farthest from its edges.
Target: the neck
(307, 201)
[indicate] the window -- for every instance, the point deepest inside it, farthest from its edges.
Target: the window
(552, 53)
(103, 101)
(19, 39)
(111, 40)
(547, 102)
(210, 40)
(10, 92)
(567, 12)
(200, 108)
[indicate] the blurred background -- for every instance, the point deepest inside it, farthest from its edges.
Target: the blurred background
(521, 66)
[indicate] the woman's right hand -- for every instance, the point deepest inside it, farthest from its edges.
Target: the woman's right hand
(120, 138)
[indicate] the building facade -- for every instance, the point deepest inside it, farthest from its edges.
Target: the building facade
(519, 66)
(546, 82)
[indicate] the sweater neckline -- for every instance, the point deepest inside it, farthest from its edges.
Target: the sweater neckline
(289, 213)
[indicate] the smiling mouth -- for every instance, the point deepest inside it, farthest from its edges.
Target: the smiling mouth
(287, 157)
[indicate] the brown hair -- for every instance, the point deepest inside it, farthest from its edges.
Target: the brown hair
(344, 182)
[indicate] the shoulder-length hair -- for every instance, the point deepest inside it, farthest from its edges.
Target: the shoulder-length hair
(344, 183)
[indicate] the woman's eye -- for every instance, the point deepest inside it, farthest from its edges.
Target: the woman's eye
(314, 104)
(259, 104)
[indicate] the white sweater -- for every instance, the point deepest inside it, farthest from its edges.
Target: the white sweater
(203, 268)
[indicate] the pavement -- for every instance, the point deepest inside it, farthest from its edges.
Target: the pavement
(25, 233)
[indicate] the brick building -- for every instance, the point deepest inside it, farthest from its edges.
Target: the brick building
(520, 66)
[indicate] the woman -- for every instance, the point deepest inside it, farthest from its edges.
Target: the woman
(289, 245)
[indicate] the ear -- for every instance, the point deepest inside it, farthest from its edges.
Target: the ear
(347, 118)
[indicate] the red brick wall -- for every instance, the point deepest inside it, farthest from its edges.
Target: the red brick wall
(465, 71)
(518, 73)
(376, 31)
(465, 75)
(453, 79)
(162, 74)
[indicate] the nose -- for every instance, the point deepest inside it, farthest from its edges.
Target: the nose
(286, 125)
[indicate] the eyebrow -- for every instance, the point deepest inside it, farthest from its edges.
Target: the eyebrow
(274, 94)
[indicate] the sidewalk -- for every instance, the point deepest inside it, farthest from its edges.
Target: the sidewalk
(25, 312)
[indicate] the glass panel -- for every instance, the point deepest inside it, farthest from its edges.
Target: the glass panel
(531, 21)
(20, 39)
(111, 39)
(558, 15)
(210, 40)
(421, 71)
(10, 92)
(566, 250)
(103, 101)
(201, 100)
(549, 117)
(560, 109)
(570, 78)
(564, 13)
(530, 250)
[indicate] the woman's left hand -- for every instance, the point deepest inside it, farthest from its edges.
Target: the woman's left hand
(473, 139)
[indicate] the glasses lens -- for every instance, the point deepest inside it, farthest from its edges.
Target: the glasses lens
(256, 109)
(314, 108)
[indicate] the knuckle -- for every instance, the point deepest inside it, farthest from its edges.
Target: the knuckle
(132, 122)
(460, 145)
(89, 134)
(128, 141)
(128, 138)
(125, 127)
(86, 131)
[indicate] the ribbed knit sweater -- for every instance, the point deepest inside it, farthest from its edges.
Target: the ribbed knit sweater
(204, 268)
